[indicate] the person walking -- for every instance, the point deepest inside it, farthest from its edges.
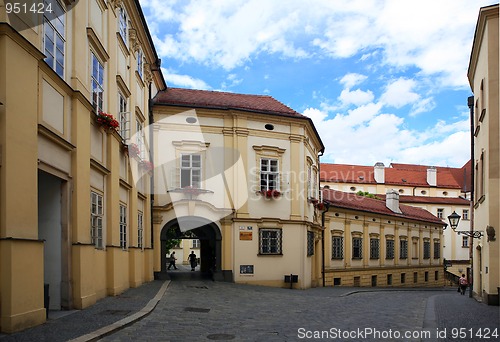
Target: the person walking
(462, 283)
(192, 260)
(172, 261)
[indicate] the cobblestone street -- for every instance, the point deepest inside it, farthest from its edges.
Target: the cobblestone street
(203, 310)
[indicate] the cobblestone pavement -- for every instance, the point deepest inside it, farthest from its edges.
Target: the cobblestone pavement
(195, 309)
(206, 310)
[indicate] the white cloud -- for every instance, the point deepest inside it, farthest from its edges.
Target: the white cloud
(351, 79)
(400, 93)
(356, 97)
(184, 81)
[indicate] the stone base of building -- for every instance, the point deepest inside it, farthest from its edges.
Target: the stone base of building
(428, 276)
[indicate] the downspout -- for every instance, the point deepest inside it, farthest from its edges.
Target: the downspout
(151, 155)
(470, 103)
(327, 207)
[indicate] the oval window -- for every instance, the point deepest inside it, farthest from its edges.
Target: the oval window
(191, 120)
(269, 127)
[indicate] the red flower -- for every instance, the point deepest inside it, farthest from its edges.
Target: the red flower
(320, 206)
(271, 193)
(146, 165)
(134, 151)
(107, 120)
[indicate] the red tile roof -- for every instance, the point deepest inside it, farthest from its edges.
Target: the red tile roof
(396, 174)
(351, 201)
(223, 100)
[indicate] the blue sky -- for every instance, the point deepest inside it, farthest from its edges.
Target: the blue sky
(383, 80)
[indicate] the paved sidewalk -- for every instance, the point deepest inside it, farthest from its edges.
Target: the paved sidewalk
(107, 314)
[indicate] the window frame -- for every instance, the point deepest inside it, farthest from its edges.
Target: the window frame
(56, 34)
(337, 247)
(97, 219)
(427, 250)
(123, 116)
(440, 213)
(389, 249)
(403, 249)
(97, 82)
(189, 171)
(140, 63)
(357, 248)
(140, 229)
(437, 250)
(266, 174)
(123, 23)
(123, 226)
(374, 248)
(266, 242)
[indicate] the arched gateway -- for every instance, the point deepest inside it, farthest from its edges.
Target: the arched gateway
(210, 243)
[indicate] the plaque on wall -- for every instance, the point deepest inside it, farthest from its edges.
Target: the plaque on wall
(246, 269)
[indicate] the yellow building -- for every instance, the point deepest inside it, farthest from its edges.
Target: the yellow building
(72, 217)
(439, 190)
(373, 242)
(239, 173)
(483, 76)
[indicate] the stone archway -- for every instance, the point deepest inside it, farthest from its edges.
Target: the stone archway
(210, 239)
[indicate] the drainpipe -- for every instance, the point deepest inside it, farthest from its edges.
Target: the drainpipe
(470, 103)
(327, 207)
(151, 156)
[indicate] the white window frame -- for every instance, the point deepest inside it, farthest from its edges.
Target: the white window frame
(140, 229)
(196, 243)
(269, 174)
(465, 214)
(123, 227)
(123, 23)
(190, 170)
(139, 138)
(140, 62)
(96, 219)
(123, 117)
(54, 32)
(270, 241)
(97, 83)
(440, 213)
(465, 241)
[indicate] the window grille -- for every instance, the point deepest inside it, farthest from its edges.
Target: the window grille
(357, 248)
(374, 248)
(337, 247)
(270, 241)
(310, 243)
(403, 249)
(389, 249)
(427, 249)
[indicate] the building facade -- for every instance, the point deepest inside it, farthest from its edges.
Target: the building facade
(439, 190)
(373, 242)
(75, 85)
(483, 77)
(239, 173)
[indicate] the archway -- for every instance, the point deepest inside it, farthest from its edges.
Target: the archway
(210, 242)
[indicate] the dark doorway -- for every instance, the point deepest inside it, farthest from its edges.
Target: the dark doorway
(210, 244)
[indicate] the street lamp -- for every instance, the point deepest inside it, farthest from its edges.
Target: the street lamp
(454, 218)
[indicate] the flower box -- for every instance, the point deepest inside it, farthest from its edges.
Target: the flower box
(146, 165)
(134, 151)
(107, 121)
(270, 193)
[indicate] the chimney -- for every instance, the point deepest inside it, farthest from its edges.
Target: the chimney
(432, 176)
(379, 173)
(392, 201)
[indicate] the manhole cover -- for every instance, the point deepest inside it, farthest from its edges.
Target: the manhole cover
(116, 312)
(220, 337)
(197, 310)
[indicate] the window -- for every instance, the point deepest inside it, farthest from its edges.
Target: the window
(191, 170)
(403, 278)
(437, 250)
(139, 138)
(122, 17)
(270, 241)
(415, 277)
(123, 227)
(414, 249)
(140, 62)
(427, 249)
(97, 83)
(403, 249)
(440, 212)
(53, 37)
(465, 241)
(124, 117)
(426, 276)
(389, 279)
(96, 217)
(310, 243)
(140, 230)
(465, 214)
(196, 243)
(357, 248)
(436, 275)
(269, 174)
(337, 247)
(374, 248)
(389, 249)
